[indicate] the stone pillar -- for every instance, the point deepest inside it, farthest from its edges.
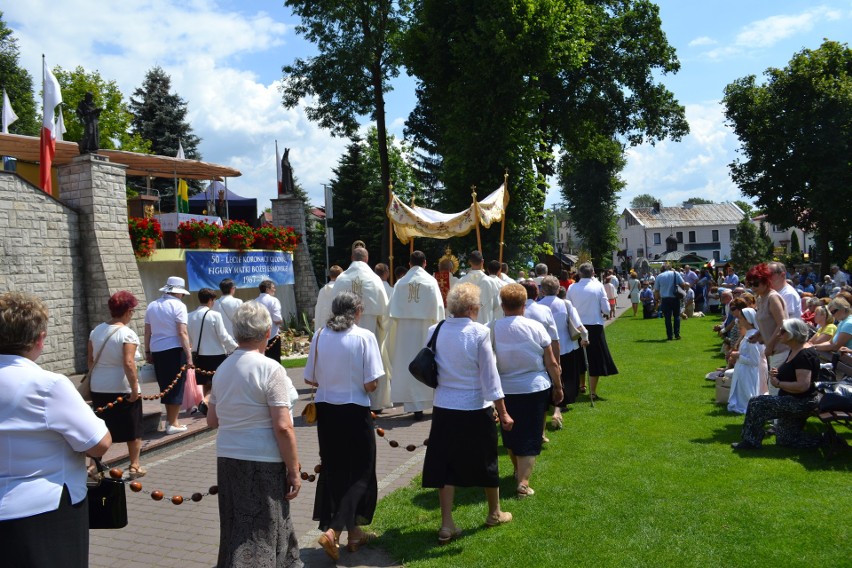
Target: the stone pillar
(289, 211)
(97, 189)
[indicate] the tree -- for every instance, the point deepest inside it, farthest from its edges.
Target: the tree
(745, 207)
(18, 84)
(590, 184)
(159, 116)
(644, 200)
(747, 246)
(347, 187)
(115, 118)
(351, 74)
(795, 247)
(765, 242)
(795, 133)
(698, 201)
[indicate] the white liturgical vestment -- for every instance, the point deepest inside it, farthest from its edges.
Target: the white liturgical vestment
(322, 311)
(416, 305)
(489, 296)
(360, 279)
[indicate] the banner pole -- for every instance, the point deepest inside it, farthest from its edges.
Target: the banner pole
(390, 233)
(475, 207)
(505, 212)
(411, 242)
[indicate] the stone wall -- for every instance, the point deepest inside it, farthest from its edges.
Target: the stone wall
(289, 211)
(40, 254)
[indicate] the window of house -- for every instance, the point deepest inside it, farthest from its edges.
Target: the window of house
(716, 256)
(715, 238)
(679, 236)
(692, 236)
(777, 229)
(657, 238)
(732, 234)
(640, 252)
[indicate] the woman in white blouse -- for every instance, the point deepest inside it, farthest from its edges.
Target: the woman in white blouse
(462, 448)
(46, 430)
(210, 341)
(530, 378)
(257, 464)
(345, 364)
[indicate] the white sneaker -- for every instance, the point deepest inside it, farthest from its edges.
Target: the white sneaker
(175, 429)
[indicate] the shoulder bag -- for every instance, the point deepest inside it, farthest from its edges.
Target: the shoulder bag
(423, 367)
(85, 386)
(309, 413)
(573, 333)
(677, 291)
(107, 501)
(200, 335)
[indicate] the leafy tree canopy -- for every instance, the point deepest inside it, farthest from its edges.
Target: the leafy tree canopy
(18, 84)
(748, 247)
(644, 200)
(698, 201)
(115, 118)
(746, 207)
(795, 133)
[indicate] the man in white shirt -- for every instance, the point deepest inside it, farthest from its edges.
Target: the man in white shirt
(360, 279)
(494, 272)
(779, 283)
(415, 306)
(383, 272)
(268, 300)
(504, 274)
(839, 277)
(228, 303)
(489, 292)
(540, 273)
(322, 311)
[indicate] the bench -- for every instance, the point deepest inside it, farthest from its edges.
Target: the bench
(842, 417)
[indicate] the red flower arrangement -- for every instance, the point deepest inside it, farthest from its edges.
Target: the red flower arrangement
(144, 234)
(238, 235)
(198, 234)
(278, 238)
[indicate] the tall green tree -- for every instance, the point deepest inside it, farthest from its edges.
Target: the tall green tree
(348, 187)
(115, 118)
(590, 183)
(159, 116)
(351, 75)
(747, 246)
(795, 133)
(746, 207)
(18, 84)
(644, 200)
(698, 201)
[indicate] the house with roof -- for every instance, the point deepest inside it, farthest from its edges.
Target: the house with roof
(700, 231)
(782, 237)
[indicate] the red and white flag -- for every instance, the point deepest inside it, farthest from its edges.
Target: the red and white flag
(278, 168)
(51, 98)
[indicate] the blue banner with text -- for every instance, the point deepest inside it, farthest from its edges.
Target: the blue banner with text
(206, 269)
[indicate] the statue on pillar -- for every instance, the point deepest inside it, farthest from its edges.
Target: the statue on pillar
(287, 184)
(88, 114)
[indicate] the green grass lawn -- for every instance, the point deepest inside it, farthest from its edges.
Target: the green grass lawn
(294, 363)
(645, 478)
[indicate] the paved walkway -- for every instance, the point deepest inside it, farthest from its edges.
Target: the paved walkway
(165, 535)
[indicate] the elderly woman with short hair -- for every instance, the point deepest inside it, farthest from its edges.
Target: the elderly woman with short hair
(257, 461)
(45, 432)
(345, 364)
(797, 396)
(530, 378)
(462, 448)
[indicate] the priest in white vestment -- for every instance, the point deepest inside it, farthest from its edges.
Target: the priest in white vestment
(360, 279)
(416, 305)
(489, 292)
(322, 311)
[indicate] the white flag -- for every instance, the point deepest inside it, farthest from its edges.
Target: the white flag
(60, 126)
(9, 115)
(180, 154)
(52, 97)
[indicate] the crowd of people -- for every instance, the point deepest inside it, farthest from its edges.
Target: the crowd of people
(508, 353)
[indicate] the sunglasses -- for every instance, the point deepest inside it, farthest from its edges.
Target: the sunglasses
(834, 311)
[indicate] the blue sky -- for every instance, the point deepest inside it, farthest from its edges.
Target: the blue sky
(225, 60)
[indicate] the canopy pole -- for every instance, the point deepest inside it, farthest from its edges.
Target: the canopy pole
(411, 242)
(505, 212)
(475, 207)
(227, 205)
(390, 233)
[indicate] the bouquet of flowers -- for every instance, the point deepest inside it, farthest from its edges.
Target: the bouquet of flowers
(278, 238)
(144, 234)
(199, 234)
(238, 235)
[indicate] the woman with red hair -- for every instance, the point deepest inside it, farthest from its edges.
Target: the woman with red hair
(112, 362)
(771, 312)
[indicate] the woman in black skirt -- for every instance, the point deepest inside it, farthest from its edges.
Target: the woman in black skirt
(112, 361)
(345, 364)
(462, 448)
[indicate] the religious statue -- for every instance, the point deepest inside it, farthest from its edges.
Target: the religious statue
(287, 184)
(88, 114)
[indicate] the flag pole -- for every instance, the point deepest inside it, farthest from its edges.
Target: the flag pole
(411, 242)
(475, 207)
(505, 202)
(390, 232)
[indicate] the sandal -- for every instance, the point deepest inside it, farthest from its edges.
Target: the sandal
(583, 389)
(366, 538)
(445, 535)
(328, 542)
(499, 519)
(524, 491)
(136, 472)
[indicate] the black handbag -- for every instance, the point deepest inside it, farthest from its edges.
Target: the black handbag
(107, 501)
(423, 367)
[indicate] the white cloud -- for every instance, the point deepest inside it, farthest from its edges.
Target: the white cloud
(703, 40)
